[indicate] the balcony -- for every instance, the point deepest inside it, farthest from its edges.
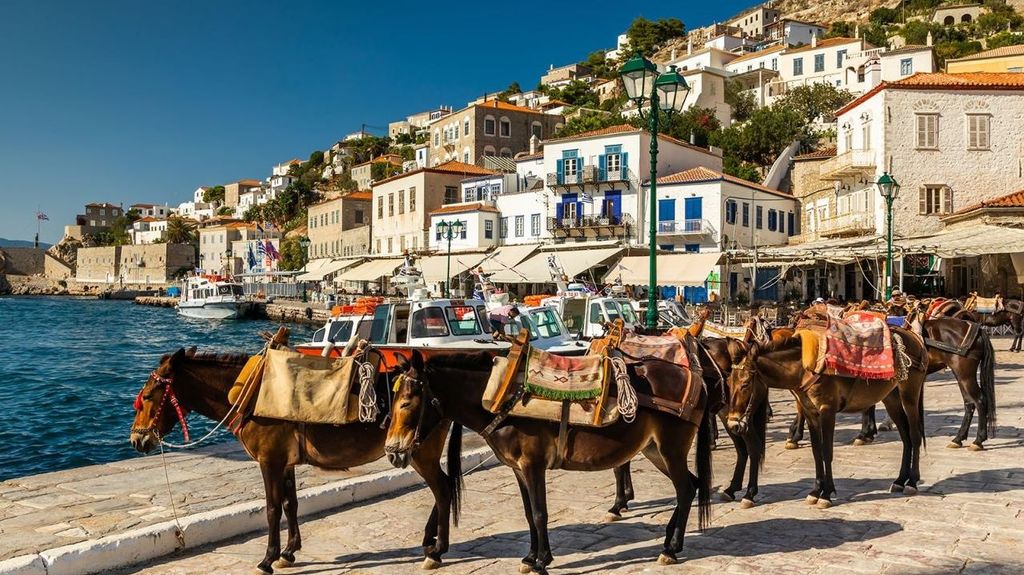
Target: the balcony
(685, 228)
(590, 174)
(847, 225)
(849, 164)
(591, 226)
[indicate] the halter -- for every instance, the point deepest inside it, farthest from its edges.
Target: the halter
(428, 397)
(168, 395)
(744, 421)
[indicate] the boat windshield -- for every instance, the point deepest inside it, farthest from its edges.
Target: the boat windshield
(429, 322)
(512, 328)
(613, 310)
(341, 331)
(547, 323)
(229, 290)
(628, 315)
(463, 320)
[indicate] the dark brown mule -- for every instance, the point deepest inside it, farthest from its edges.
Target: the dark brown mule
(451, 386)
(820, 398)
(200, 383)
(999, 318)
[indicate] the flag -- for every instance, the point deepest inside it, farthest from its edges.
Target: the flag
(259, 228)
(42, 217)
(260, 249)
(586, 198)
(272, 251)
(251, 258)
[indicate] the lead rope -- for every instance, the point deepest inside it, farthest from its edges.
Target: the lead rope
(368, 409)
(179, 532)
(627, 401)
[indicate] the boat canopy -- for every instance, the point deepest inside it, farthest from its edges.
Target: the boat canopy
(435, 268)
(507, 257)
(324, 268)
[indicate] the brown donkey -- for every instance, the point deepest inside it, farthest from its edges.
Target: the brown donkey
(200, 383)
(452, 386)
(820, 398)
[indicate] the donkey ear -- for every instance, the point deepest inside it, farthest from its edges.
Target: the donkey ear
(178, 356)
(191, 352)
(755, 350)
(403, 363)
(417, 360)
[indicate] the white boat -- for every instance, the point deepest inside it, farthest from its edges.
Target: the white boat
(585, 314)
(212, 297)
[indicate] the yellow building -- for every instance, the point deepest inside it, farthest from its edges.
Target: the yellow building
(1005, 59)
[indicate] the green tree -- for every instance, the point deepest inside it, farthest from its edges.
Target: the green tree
(575, 93)
(841, 29)
(955, 49)
(818, 100)
(383, 170)
(600, 66)
(875, 35)
(181, 231)
(740, 100)
(1004, 39)
(225, 211)
(646, 36)
(587, 123)
(693, 125)
(760, 140)
(510, 91)
(214, 194)
(368, 147)
(292, 255)
(882, 16)
(741, 169)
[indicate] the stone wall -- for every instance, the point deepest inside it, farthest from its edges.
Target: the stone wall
(24, 261)
(808, 187)
(154, 263)
(100, 264)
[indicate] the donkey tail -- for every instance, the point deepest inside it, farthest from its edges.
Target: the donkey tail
(705, 441)
(988, 379)
(455, 484)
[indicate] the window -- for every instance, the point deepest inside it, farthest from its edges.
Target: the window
(936, 199)
(840, 56)
(506, 152)
(613, 163)
(378, 245)
(437, 233)
(819, 62)
(488, 229)
(401, 201)
(465, 127)
(571, 167)
(380, 207)
(866, 136)
(759, 217)
(412, 199)
(791, 223)
(503, 227)
(775, 63)
(437, 138)
(489, 126)
(537, 129)
(848, 138)
(978, 131)
(451, 194)
(569, 211)
(730, 212)
(906, 67)
(506, 128)
(463, 320)
(462, 235)
(547, 323)
(746, 215)
(391, 205)
(520, 224)
(429, 322)
(401, 244)
(358, 216)
(535, 225)
(465, 157)
(798, 66)
(390, 245)
(773, 220)
(928, 131)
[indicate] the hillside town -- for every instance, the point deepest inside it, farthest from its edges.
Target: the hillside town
(556, 181)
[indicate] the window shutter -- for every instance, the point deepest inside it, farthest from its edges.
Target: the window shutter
(602, 167)
(559, 211)
(947, 200)
(922, 207)
(624, 163)
(560, 167)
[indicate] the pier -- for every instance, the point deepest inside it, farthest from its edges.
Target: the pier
(158, 301)
(289, 311)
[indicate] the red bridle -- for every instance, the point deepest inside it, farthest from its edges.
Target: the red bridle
(167, 395)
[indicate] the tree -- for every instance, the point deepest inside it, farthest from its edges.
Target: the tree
(955, 49)
(692, 125)
(1004, 39)
(512, 90)
(882, 16)
(225, 211)
(600, 66)
(181, 231)
(587, 123)
(814, 101)
(645, 36)
(213, 195)
(368, 147)
(841, 29)
(760, 140)
(575, 93)
(383, 170)
(741, 169)
(292, 255)
(740, 100)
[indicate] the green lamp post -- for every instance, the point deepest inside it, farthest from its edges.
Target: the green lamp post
(890, 189)
(665, 92)
(304, 243)
(449, 230)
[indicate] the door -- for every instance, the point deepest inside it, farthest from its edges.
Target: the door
(666, 216)
(694, 213)
(612, 207)
(770, 293)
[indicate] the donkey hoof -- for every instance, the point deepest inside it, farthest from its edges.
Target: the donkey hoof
(954, 445)
(726, 496)
(525, 568)
(976, 447)
(910, 491)
(859, 441)
(260, 570)
(792, 445)
(824, 503)
(811, 499)
(283, 563)
(665, 559)
(429, 563)
(746, 503)
(896, 488)
(610, 518)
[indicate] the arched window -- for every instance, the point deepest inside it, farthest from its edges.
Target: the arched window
(506, 153)
(537, 129)
(965, 18)
(490, 126)
(489, 151)
(949, 20)
(505, 127)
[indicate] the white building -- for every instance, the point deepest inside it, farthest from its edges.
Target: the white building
(148, 230)
(479, 226)
(151, 210)
(280, 178)
(793, 32)
(753, 21)
(197, 209)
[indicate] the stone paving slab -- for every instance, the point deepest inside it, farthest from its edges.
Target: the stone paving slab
(968, 518)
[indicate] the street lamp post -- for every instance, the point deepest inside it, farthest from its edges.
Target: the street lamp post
(304, 243)
(889, 188)
(666, 92)
(448, 231)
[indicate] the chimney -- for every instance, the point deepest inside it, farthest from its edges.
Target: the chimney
(814, 40)
(856, 31)
(928, 41)
(689, 46)
(672, 58)
(534, 143)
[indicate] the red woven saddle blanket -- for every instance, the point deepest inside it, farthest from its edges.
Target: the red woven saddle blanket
(860, 345)
(667, 348)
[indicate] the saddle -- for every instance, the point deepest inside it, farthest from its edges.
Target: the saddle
(984, 304)
(963, 347)
(858, 346)
(666, 348)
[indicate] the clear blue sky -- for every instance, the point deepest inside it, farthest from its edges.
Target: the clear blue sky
(129, 101)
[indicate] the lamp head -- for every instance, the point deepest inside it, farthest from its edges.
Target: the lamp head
(672, 91)
(637, 75)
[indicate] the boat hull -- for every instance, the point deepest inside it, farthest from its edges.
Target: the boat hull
(226, 310)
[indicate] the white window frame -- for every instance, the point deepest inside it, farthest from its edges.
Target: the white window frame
(520, 226)
(535, 225)
(613, 162)
(504, 127)
(935, 200)
(575, 163)
(979, 131)
(493, 123)
(926, 131)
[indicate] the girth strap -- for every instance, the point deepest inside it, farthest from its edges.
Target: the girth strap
(563, 436)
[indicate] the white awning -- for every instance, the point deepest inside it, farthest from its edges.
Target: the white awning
(507, 257)
(572, 262)
(673, 269)
(370, 271)
(975, 240)
(325, 269)
(435, 268)
(312, 267)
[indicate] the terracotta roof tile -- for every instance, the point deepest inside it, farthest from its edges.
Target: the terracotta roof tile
(360, 195)
(821, 154)
(753, 55)
(1014, 200)
(616, 129)
(503, 105)
(943, 81)
(450, 167)
(826, 43)
(993, 53)
(702, 174)
(462, 208)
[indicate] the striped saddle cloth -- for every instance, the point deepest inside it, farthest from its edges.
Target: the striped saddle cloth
(667, 348)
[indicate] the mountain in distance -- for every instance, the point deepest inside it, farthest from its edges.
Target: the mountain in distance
(6, 243)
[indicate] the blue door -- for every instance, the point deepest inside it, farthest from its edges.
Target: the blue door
(666, 210)
(694, 212)
(612, 207)
(770, 293)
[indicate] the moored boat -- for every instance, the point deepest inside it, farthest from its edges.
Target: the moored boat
(212, 297)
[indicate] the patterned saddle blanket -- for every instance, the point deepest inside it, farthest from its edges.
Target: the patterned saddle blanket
(984, 304)
(558, 377)
(858, 346)
(668, 348)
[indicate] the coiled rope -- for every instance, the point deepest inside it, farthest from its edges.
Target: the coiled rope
(627, 401)
(368, 408)
(902, 358)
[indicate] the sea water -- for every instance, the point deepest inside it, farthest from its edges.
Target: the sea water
(71, 368)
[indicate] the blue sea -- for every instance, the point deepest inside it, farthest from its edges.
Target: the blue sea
(71, 368)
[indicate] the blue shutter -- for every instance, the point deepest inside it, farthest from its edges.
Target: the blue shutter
(602, 167)
(624, 163)
(694, 208)
(666, 210)
(561, 171)
(559, 212)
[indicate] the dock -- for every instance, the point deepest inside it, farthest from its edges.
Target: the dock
(157, 301)
(289, 311)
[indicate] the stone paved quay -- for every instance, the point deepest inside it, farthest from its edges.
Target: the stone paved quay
(967, 519)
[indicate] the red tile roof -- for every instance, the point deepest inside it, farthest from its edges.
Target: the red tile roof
(502, 105)
(628, 129)
(946, 81)
(248, 182)
(1014, 200)
(702, 174)
(450, 167)
(461, 208)
(758, 54)
(1002, 52)
(360, 195)
(821, 154)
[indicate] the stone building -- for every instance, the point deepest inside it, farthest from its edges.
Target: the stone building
(97, 219)
(340, 226)
(151, 264)
(234, 191)
(488, 128)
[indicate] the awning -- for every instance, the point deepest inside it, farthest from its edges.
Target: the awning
(965, 241)
(435, 268)
(325, 269)
(673, 269)
(507, 257)
(572, 263)
(370, 271)
(312, 267)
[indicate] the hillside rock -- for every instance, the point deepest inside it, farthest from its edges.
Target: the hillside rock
(67, 250)
(825, 12)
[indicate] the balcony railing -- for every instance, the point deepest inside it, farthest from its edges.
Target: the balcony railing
(849, 224)
(591, 225)
(590, 174)
(847, 164)
(693, 227)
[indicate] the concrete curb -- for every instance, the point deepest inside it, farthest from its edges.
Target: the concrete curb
(147, 543)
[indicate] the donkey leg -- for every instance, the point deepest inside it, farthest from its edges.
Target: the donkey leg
(911, 397)
(895, 410)
(868, 427)
(537, 492)
(819, 469)
(273, 486)
(291, 513)
(622, 480)
(524, 492)
(796, 431)
(756, 443)
(738, 442)
(427, 462)
(675, 466)
(826, 431)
